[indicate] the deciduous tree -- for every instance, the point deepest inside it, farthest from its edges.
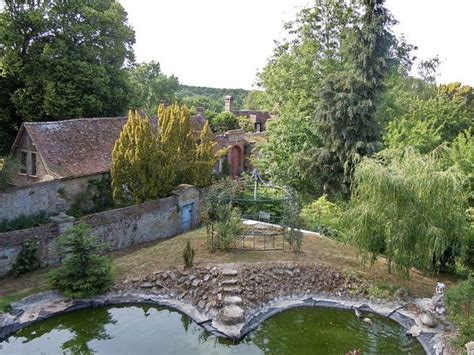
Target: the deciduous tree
(62, 59)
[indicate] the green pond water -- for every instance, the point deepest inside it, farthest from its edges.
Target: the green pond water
(145, 329)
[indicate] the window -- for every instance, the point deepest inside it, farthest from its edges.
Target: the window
(33, 164)
(24, 158)
(258, 127)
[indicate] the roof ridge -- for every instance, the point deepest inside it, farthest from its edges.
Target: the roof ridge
(73, 120)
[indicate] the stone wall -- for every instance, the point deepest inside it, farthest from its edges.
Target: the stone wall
(50, 196)
(118, 228)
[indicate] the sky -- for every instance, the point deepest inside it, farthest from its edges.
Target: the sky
(224, 43)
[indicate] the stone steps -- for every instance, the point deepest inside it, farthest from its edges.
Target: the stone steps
(229, 282)
(231, 291)
(229, 272)
(232, 315)
(232, 300)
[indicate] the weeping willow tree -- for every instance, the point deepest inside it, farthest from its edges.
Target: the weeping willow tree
(407, 208)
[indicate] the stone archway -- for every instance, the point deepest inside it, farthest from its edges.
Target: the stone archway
(235, 161)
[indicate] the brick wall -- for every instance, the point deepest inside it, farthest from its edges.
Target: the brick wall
(118, 228)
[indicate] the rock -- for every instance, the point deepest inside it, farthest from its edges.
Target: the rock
(146, 285)
(229, 282)
(232, 300)
(367, 320)
(232, 315)
(414, 331)
(429, 320)
(201, 304)
(229, 272)
(207, 277)
(196, 283)
(231, 290)
(470, 348)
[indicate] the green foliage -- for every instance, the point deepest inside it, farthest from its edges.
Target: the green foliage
(188, 255)
(224, 121)
(460, 153)
(346, 119)
(27, 259)
(24, 222)
(212, 107)
(149, 161)
(150, 87)
(468, 246)
(97, 197)
(291, 223)
(7, 169)
(254, 100)
(286, 155)
(460, 307)
(245, 124)
(428, 123)
(83, 273)
(214, 94)
(141, 170)
(322, 216)
(407, 208)
(58, 62)
(205, 158)
(227, 227)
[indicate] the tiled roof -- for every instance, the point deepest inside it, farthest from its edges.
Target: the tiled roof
(76, 147)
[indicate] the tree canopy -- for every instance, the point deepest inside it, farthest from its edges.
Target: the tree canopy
(150, 87)
(62, 59)
(408, 208)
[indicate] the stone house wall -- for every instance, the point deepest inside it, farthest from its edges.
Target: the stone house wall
(49, 196)
(118, 228)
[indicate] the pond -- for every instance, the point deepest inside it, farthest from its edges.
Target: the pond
(143, 329)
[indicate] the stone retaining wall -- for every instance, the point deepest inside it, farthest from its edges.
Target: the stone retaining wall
(118, 228)
(49, 196)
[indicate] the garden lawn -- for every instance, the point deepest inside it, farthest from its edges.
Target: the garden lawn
(147, 258)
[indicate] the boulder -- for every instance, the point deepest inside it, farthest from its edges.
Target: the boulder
(429, 320)
(414, 331)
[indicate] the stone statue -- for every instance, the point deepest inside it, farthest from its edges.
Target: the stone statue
(437, 301)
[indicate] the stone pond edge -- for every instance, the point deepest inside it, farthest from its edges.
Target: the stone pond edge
(52, 304)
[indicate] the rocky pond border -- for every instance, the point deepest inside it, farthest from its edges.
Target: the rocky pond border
(45, 305)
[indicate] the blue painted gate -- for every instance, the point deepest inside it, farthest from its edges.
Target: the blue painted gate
(186, 217)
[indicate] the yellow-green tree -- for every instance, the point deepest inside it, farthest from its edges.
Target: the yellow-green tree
(177, 139)
(205, 158)
(149, 160)
(140, 168)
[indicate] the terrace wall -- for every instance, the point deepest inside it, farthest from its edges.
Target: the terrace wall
(118, 228)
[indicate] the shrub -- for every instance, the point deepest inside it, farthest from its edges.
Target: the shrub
(322, 216)
(227, 226)
(24, 222)
(27, 259)
(83, 273)
(188, 255)
(460, 307)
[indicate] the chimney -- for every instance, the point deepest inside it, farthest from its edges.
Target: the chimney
(200, 111)
(228, 107)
